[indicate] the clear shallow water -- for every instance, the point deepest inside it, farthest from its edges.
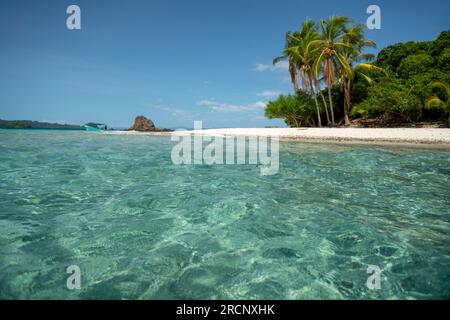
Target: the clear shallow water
(140, 227)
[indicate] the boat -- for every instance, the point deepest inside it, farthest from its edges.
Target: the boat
(95, 127)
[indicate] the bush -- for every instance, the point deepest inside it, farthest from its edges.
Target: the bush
(413, 68)
(443, 60)
(390, 97)
(415, 64)
(391, 57)
(296, 110)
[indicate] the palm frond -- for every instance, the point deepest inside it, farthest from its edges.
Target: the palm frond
(344, 64)
(366, 77)
(434, 102)
(279, 59)
(442, 85)
(369, 66)
(317, 63)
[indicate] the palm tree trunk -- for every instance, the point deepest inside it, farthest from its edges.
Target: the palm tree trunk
(448, 112)
(295, 121)
(329, 76)
(294, 76)
(347, 89)
(317, 87)
(326, 107)
(331, 106)
(319, 121)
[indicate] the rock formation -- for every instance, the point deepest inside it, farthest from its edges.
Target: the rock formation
(141, 123)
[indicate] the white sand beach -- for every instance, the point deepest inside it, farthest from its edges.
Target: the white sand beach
(376, 135)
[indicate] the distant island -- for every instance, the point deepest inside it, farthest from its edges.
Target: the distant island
(27, 124)
(141, 123)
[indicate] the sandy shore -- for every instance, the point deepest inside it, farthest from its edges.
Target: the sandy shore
(393, 135)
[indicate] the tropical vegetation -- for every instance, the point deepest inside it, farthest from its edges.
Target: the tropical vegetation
(337, 82)
(27, 124)
(434, 101)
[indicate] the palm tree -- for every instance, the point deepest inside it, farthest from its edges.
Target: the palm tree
(331, 43)
(319, 91)
(305, 55)
(300, 56)
(356, 43)
(435, 101)
(290, 55)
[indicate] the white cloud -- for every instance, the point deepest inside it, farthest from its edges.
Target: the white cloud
(260, 118)
(206, 103)
(227, 107)
(268, 94)
(282, 65)
(176, 112)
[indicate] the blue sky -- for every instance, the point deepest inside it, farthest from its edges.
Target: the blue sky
(174, 61)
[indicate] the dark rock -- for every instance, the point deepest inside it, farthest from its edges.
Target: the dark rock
(165, 130)
(141, 123)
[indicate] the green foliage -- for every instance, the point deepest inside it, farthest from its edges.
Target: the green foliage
(415, 64)
(360, 87)
(440, 101)
(26, 124)
(390, 97)
(441, 44)
(400, 83)
(443, 60)
(422, 83)
(296, 110)
(414, 67)
(391, 57)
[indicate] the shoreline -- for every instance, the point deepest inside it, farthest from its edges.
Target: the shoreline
(410, 136)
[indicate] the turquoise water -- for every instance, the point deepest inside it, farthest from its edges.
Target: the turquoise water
(140, 227)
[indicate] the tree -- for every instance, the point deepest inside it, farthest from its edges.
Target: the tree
(319, 92)
(296, 110)
(435, 101)
(331, 43)
(289, 54)
(415, 64)
(356, 42)
(305, 54)
(392, 98)
(332, 53)
(391, 57)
